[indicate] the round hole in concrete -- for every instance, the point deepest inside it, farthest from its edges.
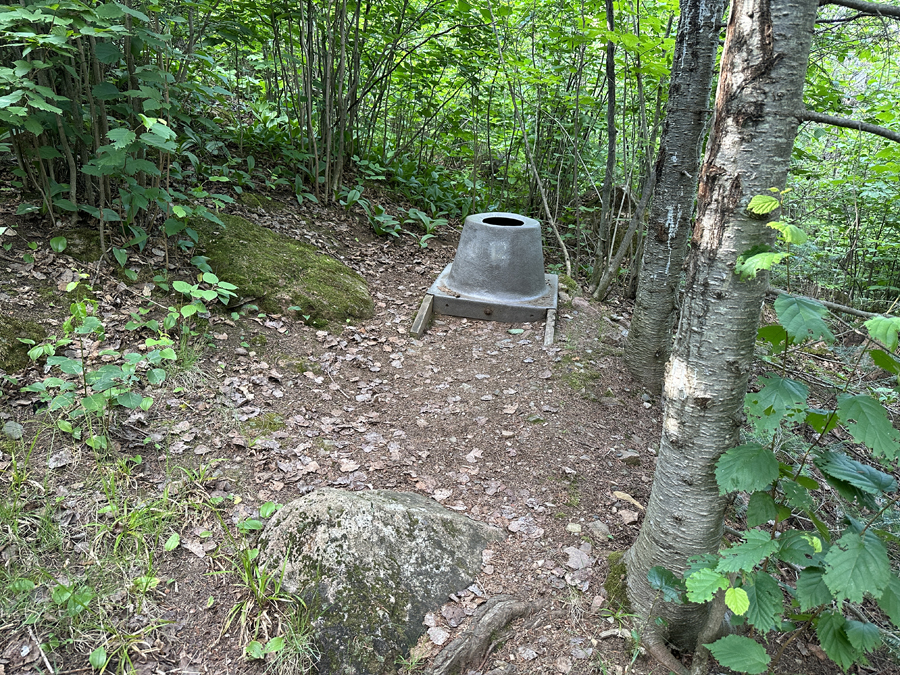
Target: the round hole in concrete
(501, 220)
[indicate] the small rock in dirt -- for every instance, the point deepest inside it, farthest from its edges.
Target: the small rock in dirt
(438, 635)
(60, 459)
(526, 653)
(453, 613)
(578, 559)
(581, 304)
(574, 528)
(430, 620)
(563, 664)
(597, 604)
(13, 430)
(599, 530)
(630, 457)
(628, 517)
(535, 419)
(579, 653)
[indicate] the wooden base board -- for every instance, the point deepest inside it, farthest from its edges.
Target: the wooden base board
(423, 318)
(426, 314)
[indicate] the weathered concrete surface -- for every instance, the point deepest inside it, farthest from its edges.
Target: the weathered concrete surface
(373, 563)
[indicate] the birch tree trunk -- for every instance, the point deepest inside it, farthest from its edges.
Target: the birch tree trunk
(650, 336)
(760, 86)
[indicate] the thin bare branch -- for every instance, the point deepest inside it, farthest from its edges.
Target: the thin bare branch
(873, 8)
(822, 118)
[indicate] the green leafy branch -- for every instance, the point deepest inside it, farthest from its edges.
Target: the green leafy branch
(822, 571)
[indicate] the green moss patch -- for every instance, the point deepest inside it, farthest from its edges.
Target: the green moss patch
(83, 244)
(256, 201)
(14, 354)
(615, 585)
(264, 424)
(279, 272)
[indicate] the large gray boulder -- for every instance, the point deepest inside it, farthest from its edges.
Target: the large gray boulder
(371, 564)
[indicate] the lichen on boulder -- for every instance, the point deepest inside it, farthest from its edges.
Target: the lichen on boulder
(13, 353)
(373, 563)
(279, 272)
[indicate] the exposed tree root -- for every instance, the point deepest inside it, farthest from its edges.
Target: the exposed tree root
(476, 641)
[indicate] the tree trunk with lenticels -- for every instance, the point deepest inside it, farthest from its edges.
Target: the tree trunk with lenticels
(760, 88)
(650, 336)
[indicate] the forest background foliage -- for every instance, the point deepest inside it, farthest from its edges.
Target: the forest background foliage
(139, 118)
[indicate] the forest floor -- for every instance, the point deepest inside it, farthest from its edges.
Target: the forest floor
(554, 445)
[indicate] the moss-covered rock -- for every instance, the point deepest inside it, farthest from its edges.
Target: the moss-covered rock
(14, 354)
(257, 201)
(373, 563)
(279, 272)
(83, 244)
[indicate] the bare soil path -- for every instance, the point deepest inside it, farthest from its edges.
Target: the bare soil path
(554, 445)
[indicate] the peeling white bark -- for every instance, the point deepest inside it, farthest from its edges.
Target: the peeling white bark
(760, 85)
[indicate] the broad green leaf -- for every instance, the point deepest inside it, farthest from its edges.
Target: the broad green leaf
(757, 546)
(172, 542)
(249, 525)
(666, 582)
(791, 234)
(156, 375)
(822, 421)
(796, 495)
(34, 126)
(65, 205)
(109, 11)
(65, 364)
(747, 467)
(98, 658)
(121, 137)
(796, 549)
(863, 636)
(121, 256)
(756, 259)
(885, 361)
(834, 640)
(774, 334)
(889, 601)
(129, 399)
(107, 52)
(21, 586)
(58, 244)
(182, 287)
(275, 645)
(741, 654)
(812, 591)
(857, 566)
(94, 402)
(737, 601)
(105, 91)
(867, 421)
(703, 584)
(802, 318)
(761, 509)
(268, 509)
(254, 650)
(856, 473)
(763, 204)
(884, 329)
(777, 398)
(766, 600)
